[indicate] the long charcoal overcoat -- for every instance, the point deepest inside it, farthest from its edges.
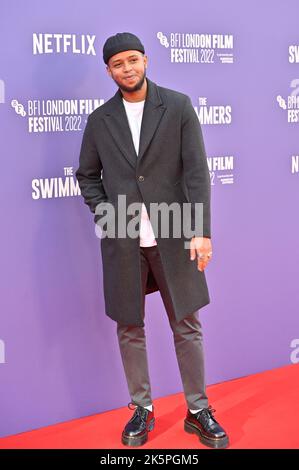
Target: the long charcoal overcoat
(171, 166)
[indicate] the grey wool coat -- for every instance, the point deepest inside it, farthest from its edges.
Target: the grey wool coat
(171, 166)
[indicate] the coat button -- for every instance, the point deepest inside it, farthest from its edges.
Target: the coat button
(141, 178)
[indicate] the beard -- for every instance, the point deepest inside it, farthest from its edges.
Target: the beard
(136, 87)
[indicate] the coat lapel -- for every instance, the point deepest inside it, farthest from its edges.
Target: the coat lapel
(118, 125)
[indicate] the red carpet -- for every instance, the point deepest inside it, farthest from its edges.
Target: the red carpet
(258, 411)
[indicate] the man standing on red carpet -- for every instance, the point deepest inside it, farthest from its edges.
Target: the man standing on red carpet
(145, 144)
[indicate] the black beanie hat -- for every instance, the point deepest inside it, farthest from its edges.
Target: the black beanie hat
(119, 43)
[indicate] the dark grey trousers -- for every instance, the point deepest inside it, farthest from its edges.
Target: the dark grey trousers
(188, 342)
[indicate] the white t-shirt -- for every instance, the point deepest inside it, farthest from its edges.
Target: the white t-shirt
(134, 112)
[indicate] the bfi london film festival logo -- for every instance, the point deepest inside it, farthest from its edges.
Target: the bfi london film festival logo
(56, 115)
(221, 167)
(198, 47)
(290, 105)
(56, 187)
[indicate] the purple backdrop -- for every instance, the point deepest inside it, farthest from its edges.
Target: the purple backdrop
(59, 356)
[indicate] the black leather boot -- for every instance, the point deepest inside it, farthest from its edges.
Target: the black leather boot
(136, 430)
(207, 428)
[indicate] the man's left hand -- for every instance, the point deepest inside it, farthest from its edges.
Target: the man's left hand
(201, 249)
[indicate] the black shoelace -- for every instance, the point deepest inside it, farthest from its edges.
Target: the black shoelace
(207, 413)
(139, 411)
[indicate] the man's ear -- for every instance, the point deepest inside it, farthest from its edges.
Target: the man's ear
(108, 70)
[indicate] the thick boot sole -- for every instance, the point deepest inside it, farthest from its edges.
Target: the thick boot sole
(135, 441)
(220, 443)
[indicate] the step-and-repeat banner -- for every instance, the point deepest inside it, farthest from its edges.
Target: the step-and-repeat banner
(239, 63)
